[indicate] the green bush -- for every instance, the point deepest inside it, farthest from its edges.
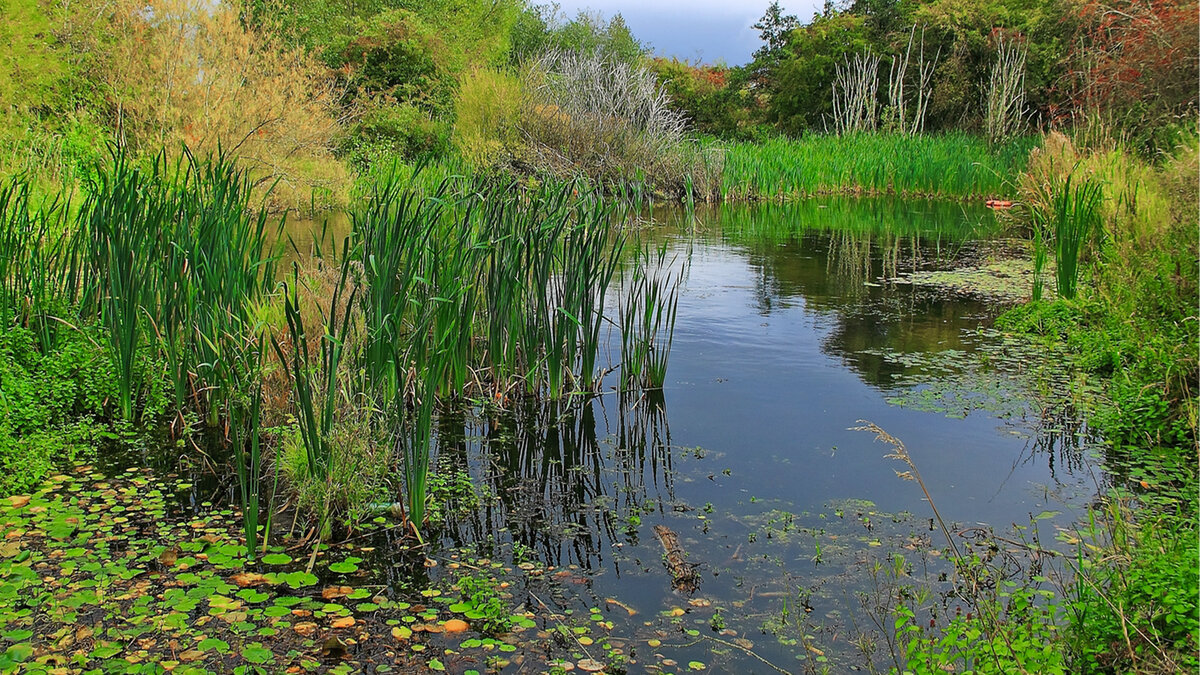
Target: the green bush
(397, 131)
(50, 404)
(487, 110)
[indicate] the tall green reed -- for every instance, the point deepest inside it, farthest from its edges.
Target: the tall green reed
(647, 313)
(1074, 217)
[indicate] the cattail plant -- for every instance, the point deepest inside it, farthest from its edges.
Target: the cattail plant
(1071, 218)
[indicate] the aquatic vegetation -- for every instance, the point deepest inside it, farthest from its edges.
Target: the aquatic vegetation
(956, 166)
(649, 306)
(1072, 220)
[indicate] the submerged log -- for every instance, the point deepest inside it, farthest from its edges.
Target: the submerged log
(683, 573)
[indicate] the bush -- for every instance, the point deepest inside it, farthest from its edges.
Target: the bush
(49, 404)
(487, 110)
(397, 131)
(587, 114)
(271, 107)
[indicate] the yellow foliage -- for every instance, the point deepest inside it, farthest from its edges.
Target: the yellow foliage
(184, 72)
(487, 109)
(1136, 209)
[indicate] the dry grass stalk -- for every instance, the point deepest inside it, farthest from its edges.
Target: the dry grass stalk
(1005, 98)
(855, 90)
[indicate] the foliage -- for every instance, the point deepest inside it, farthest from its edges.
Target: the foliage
(1139, 612)
(52, 404)
(487, 111)
(541, 28)
(799, 88)
(1135, 69)
(1133, 605)
(390, 132)
(273, 108)
(612, 123)
(1025, 640)
(708, 96)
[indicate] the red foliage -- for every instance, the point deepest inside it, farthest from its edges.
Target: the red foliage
(1138, 51)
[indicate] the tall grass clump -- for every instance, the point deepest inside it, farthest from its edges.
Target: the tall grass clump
(955, 166)
(649, 306)
(171, 261)
(35, 261)
(478, 288)
(1072, 220)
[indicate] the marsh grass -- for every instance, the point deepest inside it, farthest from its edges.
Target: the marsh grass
(473, 288)
(955, 166)
(647, 313)
(1072, 219)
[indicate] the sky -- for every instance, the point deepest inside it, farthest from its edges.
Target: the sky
(695, 30)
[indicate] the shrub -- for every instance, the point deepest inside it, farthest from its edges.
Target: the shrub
(397, 131)
(48, 404)
(487, 110)
(588, 114)
(184, 73)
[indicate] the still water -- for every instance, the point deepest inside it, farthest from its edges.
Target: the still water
(792, 330)
(789, 334)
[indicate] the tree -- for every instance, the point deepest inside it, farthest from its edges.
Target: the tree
(773, 28)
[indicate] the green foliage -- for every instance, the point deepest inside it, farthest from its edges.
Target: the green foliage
(32, 66)
(800, 84)
(483, 604)
(1021, 636)
(710, 96)
(541, 28)
(51, 404)
(397, 55)
(1140, 615)
(487, 111)
(397, 131)
(1134, 602)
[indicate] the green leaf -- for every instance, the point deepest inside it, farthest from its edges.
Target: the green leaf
(256, 653)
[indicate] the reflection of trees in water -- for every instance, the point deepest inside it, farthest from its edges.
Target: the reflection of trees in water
(566, 478)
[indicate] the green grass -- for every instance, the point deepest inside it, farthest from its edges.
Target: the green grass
(955, 166)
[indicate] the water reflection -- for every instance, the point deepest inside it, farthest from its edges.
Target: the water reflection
(566, 479)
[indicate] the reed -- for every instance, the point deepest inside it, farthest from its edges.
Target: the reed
(647, 313)
(33, 260)
(955, 166)
(317, 381)
(1076, 217)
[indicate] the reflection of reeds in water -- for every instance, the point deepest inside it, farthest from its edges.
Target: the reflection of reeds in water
(565, 479)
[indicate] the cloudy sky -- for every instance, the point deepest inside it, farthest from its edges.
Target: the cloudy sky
(706, 30)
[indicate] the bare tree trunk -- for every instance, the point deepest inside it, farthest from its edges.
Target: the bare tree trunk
(1005, 101)
(897, 115)
(855, 88)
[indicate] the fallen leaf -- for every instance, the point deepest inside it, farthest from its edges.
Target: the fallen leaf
(333, 647)
(343, 622)
(332, 592)
(305, 628)
(245, 579)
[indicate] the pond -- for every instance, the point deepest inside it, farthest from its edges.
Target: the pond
(736, 521)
